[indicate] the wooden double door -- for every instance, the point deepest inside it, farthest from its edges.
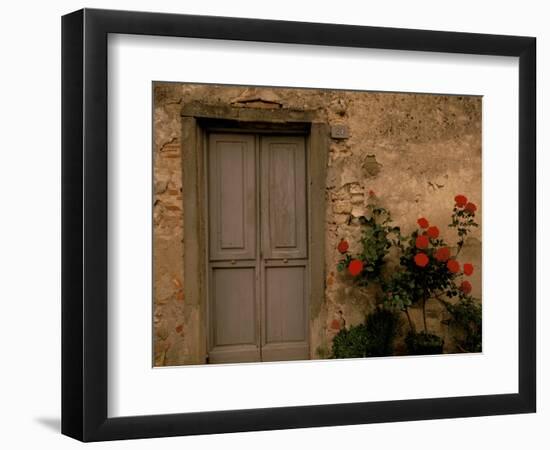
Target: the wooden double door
(258, 287)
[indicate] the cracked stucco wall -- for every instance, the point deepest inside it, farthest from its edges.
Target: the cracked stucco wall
(415, 152)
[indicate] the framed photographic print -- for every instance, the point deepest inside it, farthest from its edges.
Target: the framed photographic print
(273, 224)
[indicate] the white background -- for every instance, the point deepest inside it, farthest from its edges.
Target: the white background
(30, 236)
(136, 389)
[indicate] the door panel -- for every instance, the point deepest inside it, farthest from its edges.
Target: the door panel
(232, 196)
(233, 254)
(285, 309)
(233, 309)
(283, 223)
(284, 211)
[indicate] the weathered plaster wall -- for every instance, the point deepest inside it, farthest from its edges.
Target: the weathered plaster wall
(415, 152)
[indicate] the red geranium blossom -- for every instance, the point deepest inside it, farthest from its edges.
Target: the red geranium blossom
(453, 265)
(433, 232)
(442, 254)
(422, 241)
(355, 267)
(461, 200)
(470, 207)
(343, 246)
(466, 287)
(423, 222)
(468, 269)
(421, 259)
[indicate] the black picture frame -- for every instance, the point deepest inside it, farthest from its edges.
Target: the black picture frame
(84, 224)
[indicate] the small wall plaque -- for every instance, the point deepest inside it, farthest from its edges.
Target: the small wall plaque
(339, 132)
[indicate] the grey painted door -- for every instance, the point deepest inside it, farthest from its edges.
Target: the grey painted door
(258, 255)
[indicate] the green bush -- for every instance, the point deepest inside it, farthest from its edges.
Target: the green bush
(352, 343)
(423, 344)
(466, 319)
(373, 338)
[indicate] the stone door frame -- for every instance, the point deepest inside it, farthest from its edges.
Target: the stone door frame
(197, 120)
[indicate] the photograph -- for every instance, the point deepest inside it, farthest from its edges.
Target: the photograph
(313, 224)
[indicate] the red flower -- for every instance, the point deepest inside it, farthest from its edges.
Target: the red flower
(442, 254)
(468, 269)
(466, 287)
(422, 241)
(343, 246)
(453, 265)
(470, 207)
(421, 259)
(461, 200)
(433, 232)
(355, 267)
(423, 222)
(372, 193)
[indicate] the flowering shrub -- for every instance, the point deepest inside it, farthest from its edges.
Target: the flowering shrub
(378, 237)
(427, 267)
